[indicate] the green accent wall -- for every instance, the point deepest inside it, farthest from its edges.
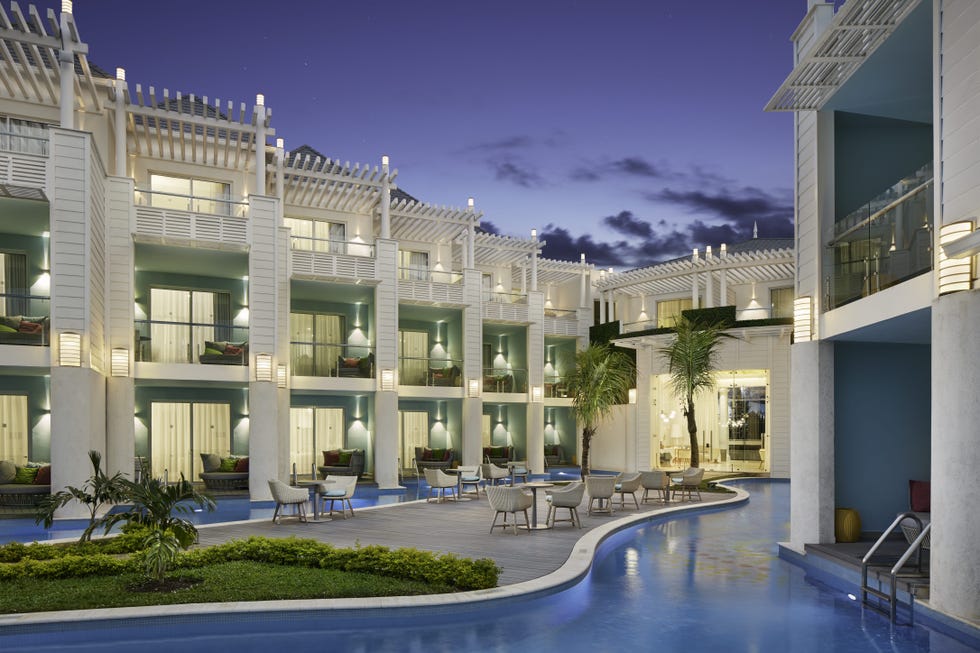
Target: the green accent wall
(449, 432)
(38, 421)
(563, 422)
(513, 418)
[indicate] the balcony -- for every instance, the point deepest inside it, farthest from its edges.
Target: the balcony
(505, 306)
(555, 387)
(24, 158)
(430, 372)
(335, 259)
(885, 242)
(504, 381)
(159, 341)
(430, 286)
(333, 360)
(25, 320)
(175, 217)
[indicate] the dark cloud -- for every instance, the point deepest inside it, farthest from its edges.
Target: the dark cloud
(625, 223)
(584, 174)
(739, 209)
(515, 172)
(561, 245)
(634, 165)
(508, 143)
(488, 227)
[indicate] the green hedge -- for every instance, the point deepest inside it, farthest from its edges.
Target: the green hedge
(721, 315)
(129, 541)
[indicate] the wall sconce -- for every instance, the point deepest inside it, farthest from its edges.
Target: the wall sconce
(387, 380)
(537, 394)
(802, 319)
(473, 388)
(632, 395)
(66, 6)
(70, 349)
(954, 273)
(120, 362)
(263, 367)
(281, 376)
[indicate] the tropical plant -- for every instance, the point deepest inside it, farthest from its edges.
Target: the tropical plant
(161, 552)
(98, 491)
(157, 506)
(601, 378)
(691, 361)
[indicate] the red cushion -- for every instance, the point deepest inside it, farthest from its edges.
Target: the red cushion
(427, 454)
(351, 362)
(448, 455)
(241, 465)
(331, 458)
(232, 350)
(29, 327)
(43, 476)
(919, 500)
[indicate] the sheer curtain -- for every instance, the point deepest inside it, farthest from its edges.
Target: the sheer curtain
(170, 439)
(168, 342)
(211, 433)
(301, 343)
(330, 331)
(13, 428)
(13, 281)
(414, 348)
(414, 265)
(202, 313)
(329, 428)
(413, 431)
(302, 446)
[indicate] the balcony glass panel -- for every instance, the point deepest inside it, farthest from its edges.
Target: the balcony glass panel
(160, 341)
(430, 372)
(885, 242)
(510, 380)
(24, 319)
(335, 360)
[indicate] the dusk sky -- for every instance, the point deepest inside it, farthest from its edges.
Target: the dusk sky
(631, 130)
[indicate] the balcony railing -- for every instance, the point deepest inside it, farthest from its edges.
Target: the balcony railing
(331, 246)
(885, 242)
(331, 360)
(192, 204)
(24, 319)
(430, 372)
(561, 313)
(424, 274)
(555, 387)
(511, 380)
(504, 297)
(159, 341)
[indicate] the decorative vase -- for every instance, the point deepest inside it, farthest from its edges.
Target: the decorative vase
(847, 525)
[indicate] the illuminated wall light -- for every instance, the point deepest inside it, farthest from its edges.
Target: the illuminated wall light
(387, 380)
(473, 388)
(955, 274)
(537, 394)
(263, 367)
(66, 6)
(120, 362)
(281, 376)
(280, 143)
(632, 395)
(260, 100)
(802, 319)
(121, 74)
(70, 349)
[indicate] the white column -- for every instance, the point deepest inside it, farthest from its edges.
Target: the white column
(955, 454)
(280, 181)
(583, 299)
(535, 376)
(602, 307)
(524, 277)
(386, 356)
(385, 198)
(386, 439)
(709, 282)
(471, 245)
(611, 310)
(260, 112)
(66, 68)
(534, 262)
(120, 122)
(472, 366)
(812, 443)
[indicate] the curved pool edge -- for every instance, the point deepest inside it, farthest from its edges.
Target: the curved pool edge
(575, 568)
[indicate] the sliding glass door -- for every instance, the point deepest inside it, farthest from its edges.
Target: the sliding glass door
(181, 321)
(13, 428)
(180, 431)
(313, 430)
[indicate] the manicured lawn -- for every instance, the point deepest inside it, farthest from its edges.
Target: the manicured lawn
(228, 581)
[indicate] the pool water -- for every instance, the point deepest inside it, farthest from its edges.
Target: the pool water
(707, 581)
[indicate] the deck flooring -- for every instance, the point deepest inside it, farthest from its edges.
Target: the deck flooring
(460, 528)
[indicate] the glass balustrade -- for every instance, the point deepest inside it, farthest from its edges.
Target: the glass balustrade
(504, 380)
(159, 341)
(25, 319)
(886, 241)
(336, 360)
(222, 206)
(430, 372)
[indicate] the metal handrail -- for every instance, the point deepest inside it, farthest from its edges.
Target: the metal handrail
(335, 246)
(880, 212)
(914, 548)
(227, 202)
(433, 276)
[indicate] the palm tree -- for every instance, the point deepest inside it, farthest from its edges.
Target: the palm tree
(99, 490)
(601, 379)
(691, 359)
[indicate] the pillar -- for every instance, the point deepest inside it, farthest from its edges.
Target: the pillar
(66, 70)
(385, 198)
(472, 437)
(535, 378)
(261, 115)
(386, 353)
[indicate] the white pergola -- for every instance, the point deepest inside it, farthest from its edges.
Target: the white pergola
(306, 179)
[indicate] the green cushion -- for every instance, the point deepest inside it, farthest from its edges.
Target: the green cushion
(345, 457)
(212, 352)
(6, 329)
(438, 454)
(227, 465)
(25, 475)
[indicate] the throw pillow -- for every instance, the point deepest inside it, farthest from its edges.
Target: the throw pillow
(217, 346)
(227, 465)
(25, 475)
(426, 454)
(241, 465)
(232, 350)
(211, 461)
(345, 458)
(43, 476)
(208, 351)
(29, 327)
(438, 454)
(7, 329)
(8, 471)
(351, 362)
(919, 496)
(331, 458)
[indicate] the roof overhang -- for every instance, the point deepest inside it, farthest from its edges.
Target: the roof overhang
(328, 184)
(495, 250)
(858, 29)
(420, 222)
(555, 273)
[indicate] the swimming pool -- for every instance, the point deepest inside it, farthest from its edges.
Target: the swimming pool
(708, 581)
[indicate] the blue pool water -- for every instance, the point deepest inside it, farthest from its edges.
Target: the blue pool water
(709, 581)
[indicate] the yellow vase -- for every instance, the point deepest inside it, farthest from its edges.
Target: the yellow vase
(847, 525)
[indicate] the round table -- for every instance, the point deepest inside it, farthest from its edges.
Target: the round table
(535, 486)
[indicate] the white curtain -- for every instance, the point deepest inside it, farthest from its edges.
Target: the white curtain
(413, 431)
(211, 433)
(486, 431)
(202, 312)
(329, 428)
(169, 342)
(414, 265)
(302, 445)
(301, 347)
(414, 348)
(329, 331)
(302, 233)
(13, 428)
(170, 439)
(3, 288)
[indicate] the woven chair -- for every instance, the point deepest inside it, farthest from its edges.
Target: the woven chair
(688, 483)
(439, 481)
(469, 476)
(601, 489)
(518, 468)
(494, 474)
(284, 495)
(509, 500)
(569, 497)
(628, 485)
(654, 481)
(341, 490)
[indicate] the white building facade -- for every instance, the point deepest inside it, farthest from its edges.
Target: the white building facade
(884, 364)
(177, 284)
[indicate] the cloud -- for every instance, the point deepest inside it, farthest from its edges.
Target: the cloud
(488, 227)
(626, 223)
(634, 165)
(517, 142)
(515, 172)
(562, 245)
(739, 209)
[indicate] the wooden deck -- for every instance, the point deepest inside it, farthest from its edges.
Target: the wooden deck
(461, 528)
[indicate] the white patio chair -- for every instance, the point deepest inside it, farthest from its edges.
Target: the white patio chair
(439, 481)
(601, 489)
(568, 497)
(654, 481)
(493, 473)
(688, 483)
(341, 490)
(284, 495)
(628, 485)
(509, 500)
(469, 476)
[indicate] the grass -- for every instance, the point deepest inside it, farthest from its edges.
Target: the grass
(239, 581)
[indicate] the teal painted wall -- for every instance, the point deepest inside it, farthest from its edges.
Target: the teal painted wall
(450, 410)
(39, 426)
(513, 417)
(143, 281)
(564, 426)
(882, 427)
(871, 154)
(33, 248)
(237, 397)
(450, 334)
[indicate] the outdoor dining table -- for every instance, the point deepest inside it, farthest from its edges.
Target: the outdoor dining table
(319, 488)
(535, 486)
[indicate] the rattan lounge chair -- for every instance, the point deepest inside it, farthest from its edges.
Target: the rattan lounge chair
(568, 497)
(285, 495)
(509, 500)
(601, 489)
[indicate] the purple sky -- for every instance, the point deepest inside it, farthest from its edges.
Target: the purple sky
(632, 130)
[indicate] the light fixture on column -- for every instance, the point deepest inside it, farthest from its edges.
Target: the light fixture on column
(387, 380)
(259, 100)
(537, 394)
(280, 143)
(281, 376)
(473, 388)
(70, 349)
(66, 6)
(802, 319)
(954, 273)
(120, 362)
(263, 367)
(632, 395)
(121, 74)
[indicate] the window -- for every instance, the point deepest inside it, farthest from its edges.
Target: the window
(181, 431)
(782, 301)
(13, 284)
(318, 235)
(185, 194)
(669, 311)
(23, 136)
(313, 430)
(316, 341)
(181, 321)
(413, 265)
(13, 428)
